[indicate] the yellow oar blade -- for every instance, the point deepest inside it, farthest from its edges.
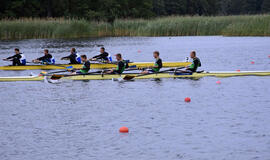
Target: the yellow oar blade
(128, 77)
(55, 76)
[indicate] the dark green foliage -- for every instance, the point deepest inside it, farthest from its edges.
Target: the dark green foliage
(266, 6)
(109, 10)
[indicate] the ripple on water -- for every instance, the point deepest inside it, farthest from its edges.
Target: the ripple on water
(80, 120)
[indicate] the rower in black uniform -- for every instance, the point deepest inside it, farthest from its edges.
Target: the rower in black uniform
(103, 56)
(157, 66)
(74, 57)
(195, 64)
(86, 65)
(121, 65)
(18, 59)
(46, 59)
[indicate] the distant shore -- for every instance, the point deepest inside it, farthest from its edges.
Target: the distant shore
(249, 25)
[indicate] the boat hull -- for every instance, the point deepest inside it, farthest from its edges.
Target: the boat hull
(150, 76)
(93, 66)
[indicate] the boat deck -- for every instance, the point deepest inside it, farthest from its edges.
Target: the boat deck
(149, 76)
(93, 66)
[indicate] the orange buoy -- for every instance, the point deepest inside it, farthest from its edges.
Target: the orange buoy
(238, 70)
(123, 130)
(218, 82)
(252, 62)
(187, 99)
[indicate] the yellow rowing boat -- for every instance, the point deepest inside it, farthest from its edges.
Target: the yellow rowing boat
(93, 66)
(149, 76)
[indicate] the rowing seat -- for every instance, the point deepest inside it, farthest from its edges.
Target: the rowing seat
(200, 71)
(183, 73)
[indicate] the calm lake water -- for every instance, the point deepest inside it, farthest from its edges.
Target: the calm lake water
(80, 120)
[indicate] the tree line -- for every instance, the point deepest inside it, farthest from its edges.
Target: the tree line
(108, 10)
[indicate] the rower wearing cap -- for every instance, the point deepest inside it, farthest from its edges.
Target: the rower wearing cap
(46, 59)
(157, 66)
(74, 57)
(103, 56)
(86, 65)
(18, 59)
(195, 64)
(121, 65)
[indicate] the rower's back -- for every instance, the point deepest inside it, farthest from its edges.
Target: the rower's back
(196, 62)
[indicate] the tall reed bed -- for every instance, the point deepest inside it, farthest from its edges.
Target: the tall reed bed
(254, 25)
(258, 25)
(51, 28)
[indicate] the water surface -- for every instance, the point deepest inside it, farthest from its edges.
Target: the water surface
(80, 120)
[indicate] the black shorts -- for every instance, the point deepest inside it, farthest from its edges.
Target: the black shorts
(152, 71)
(115, 72)
(190, 70)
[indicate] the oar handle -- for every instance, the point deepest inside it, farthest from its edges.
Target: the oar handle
(66, 70)
(171, 69)
(6, 60)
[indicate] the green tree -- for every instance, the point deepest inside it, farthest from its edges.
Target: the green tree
(159, 7)
(266, 6)
(250, 7)
(175, 7)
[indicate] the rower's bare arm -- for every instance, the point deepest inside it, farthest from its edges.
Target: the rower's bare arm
(35, 61)
(93, 59)
(110, 71)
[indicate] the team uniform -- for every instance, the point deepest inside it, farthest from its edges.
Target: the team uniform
(121, 66)
(158, 65)
(47, 59)
(104, 57)
(195, 64)
(74, 58)
(85, 69)
(18, 59)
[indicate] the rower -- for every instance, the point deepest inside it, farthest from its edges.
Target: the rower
(86, 65)
(18, 59)
(103, 56)
(157, 66)
(121, 65)
(46, 59)
(195, 64)
(74, 57)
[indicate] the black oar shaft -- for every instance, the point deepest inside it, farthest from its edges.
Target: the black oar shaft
(171, 69)
(141, 75)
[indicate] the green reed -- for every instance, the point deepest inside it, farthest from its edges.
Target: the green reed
(253, 25)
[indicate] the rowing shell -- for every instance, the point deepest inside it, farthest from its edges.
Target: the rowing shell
(150, 76)
(93, 66)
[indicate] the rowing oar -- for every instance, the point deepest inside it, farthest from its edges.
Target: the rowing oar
(58, 65)
(47, 74)
(26, 62)
(128, 77)
(56, 77)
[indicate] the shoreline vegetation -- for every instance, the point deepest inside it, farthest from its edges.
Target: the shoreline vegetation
(27, 28)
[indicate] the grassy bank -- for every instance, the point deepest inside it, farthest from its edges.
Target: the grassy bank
(257, 25)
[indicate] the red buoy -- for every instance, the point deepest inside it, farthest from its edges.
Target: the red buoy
(238, 70)
(268, 56)
(252, 62)
(123, 130)
(187, 99)
(218, 82)
(139, 51)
